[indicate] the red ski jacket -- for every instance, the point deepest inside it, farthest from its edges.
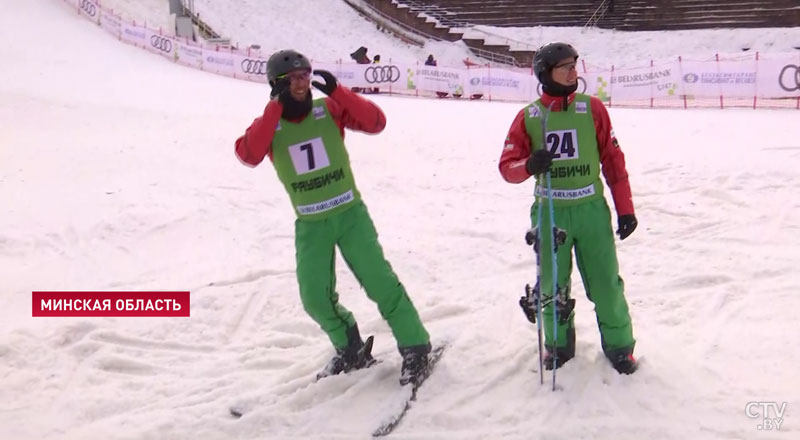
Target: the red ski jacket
(347, 108)
(518, 147)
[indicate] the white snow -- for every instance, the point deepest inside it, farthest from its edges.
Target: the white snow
(117, 173)
(152, 13)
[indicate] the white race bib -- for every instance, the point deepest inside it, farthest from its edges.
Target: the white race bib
(309, 156)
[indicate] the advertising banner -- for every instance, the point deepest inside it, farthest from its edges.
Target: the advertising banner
(133, 35)
(189, 54)
(387, 77)
(218, 62)
(437, 79)
(501, 84)
(160, 44)
(707, 79)
(344, 75)
(779, 77)
(643, 83)
(250, 67)
(111, 23)
(89, 9)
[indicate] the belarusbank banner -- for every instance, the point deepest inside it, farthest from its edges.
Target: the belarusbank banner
(439, 79)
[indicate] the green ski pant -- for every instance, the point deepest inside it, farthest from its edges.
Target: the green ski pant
(588, 227)
(353, 231)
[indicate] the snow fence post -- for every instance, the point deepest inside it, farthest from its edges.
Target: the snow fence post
(651, 85)
(755, 85)
(721, 102)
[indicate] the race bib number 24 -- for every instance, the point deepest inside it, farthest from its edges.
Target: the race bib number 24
(563, 144)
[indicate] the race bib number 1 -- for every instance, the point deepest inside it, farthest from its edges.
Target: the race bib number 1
(309, 156)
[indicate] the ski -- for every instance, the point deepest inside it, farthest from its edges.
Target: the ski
(238, 410)
(407, 395)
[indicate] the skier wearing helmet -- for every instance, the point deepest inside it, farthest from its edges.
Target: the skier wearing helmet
(580, 142)
(304, 139)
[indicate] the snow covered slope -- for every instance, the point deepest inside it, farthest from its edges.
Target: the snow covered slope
(117, 173)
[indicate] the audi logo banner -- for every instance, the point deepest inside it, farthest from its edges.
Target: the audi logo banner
(382, 74)
(789, 78)
(251, 68)
(779, 77)
(89, 8)
(160, 44)
(386, 77)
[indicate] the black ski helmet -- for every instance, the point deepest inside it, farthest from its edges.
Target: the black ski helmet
(283, 62)
(543, 62)
(548, 56)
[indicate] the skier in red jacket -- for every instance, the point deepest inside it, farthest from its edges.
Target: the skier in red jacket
(304, 139)
(579, 140)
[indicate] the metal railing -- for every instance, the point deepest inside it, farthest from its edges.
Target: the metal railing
(487, 55)
(598, 14)
(402, 28)
(509, 41)
(205, 29)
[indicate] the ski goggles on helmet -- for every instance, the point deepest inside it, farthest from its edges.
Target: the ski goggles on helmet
(297, 75)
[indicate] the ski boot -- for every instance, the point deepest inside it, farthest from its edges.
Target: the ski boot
(564, 353)
(357, 355)
(563, 357)
(415, 364)
(624, 363)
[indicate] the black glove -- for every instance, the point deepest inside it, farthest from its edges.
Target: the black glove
(539, 162)
(330, 82)
(627, 224)
(281, 89)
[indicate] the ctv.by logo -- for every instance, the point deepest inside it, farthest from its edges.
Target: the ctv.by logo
(764, 410)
